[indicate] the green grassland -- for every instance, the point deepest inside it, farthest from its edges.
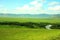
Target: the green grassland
(28, 34)
(12, 32)
(52, 20)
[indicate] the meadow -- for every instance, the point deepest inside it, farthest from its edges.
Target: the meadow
(14, 32)
(50, 20)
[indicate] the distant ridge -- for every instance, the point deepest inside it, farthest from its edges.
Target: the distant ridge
(31, 15)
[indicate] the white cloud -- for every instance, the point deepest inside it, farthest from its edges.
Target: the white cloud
(41, 0)
(34, 9)
(3, 9)
(53, 3)
(34, 2)
(55, 8)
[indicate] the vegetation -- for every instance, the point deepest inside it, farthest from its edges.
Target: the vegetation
(29, 29)
(28, 34)
(32, 25)
(36, 20)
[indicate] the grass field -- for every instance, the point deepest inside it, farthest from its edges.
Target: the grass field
(28, 34)
(8, 32)
(53, 20)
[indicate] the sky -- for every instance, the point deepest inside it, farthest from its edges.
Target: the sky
(30, 6)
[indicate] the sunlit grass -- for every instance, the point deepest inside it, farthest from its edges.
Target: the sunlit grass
(29, 20)
(27, 34)
(11, 32)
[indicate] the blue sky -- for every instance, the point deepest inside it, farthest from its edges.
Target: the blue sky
(13, 3)
(30, 6)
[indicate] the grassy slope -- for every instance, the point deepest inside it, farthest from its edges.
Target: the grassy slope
(27, 34)
(30, 20)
